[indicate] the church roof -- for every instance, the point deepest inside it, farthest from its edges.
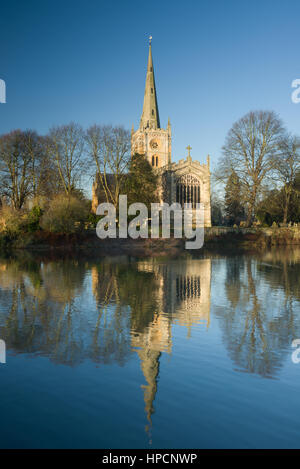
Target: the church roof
(150, 115)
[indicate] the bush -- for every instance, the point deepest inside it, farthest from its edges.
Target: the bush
(34, 217)
(12, 221)
(65, 214)
(93, 219)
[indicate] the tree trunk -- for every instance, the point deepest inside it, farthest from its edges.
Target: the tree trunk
(284, 221)
(286, 208)
(249, 217)
(250, 213)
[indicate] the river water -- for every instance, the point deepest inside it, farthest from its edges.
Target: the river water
(150, 353)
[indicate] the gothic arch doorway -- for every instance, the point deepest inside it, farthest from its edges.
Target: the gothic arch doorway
(188, 190)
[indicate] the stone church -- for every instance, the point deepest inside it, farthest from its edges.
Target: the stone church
(187, 181)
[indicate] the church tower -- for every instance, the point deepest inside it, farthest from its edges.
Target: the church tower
(150, 139)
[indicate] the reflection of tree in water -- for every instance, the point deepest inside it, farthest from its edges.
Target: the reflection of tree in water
(38, 309)
(139, 291)
(43, 310)
(281, 269)
(258, 337)
(120, 288)
(234, 270)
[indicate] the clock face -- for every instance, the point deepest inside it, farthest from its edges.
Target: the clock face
(155, 144)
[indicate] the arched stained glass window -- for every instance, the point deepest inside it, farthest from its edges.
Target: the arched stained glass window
(188, 190)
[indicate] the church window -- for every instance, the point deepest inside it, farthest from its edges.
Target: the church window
(152, 112)
(152, 90)
(188, 190)
(152, 160)
(157, 161)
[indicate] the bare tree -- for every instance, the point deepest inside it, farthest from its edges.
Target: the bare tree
(250, 150)
(109, 149)
(65, 145)
(287, 166)
(19, 152)
(32, 145)
(47, 179)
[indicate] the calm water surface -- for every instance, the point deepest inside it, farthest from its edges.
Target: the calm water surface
(126, 353)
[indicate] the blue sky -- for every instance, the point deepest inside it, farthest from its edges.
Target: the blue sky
(86, 62)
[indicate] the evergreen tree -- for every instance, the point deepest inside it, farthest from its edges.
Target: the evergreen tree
(269, 208)
(294, 209)
(141, 183)
(234, 210)
(272, 205)
(217, 209)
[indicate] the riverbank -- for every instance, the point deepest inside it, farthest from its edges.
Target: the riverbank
(254, 236)
(88, 242)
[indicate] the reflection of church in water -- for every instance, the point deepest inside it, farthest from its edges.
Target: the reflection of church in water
(137, 303)
(183, 297)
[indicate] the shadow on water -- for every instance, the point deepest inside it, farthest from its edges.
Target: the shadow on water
(107, 310)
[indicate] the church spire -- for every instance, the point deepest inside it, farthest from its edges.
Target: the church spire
(150, 115)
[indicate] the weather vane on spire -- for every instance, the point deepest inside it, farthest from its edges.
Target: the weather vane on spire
(150, 39)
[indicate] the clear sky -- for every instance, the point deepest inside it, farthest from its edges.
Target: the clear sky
(86, 62)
